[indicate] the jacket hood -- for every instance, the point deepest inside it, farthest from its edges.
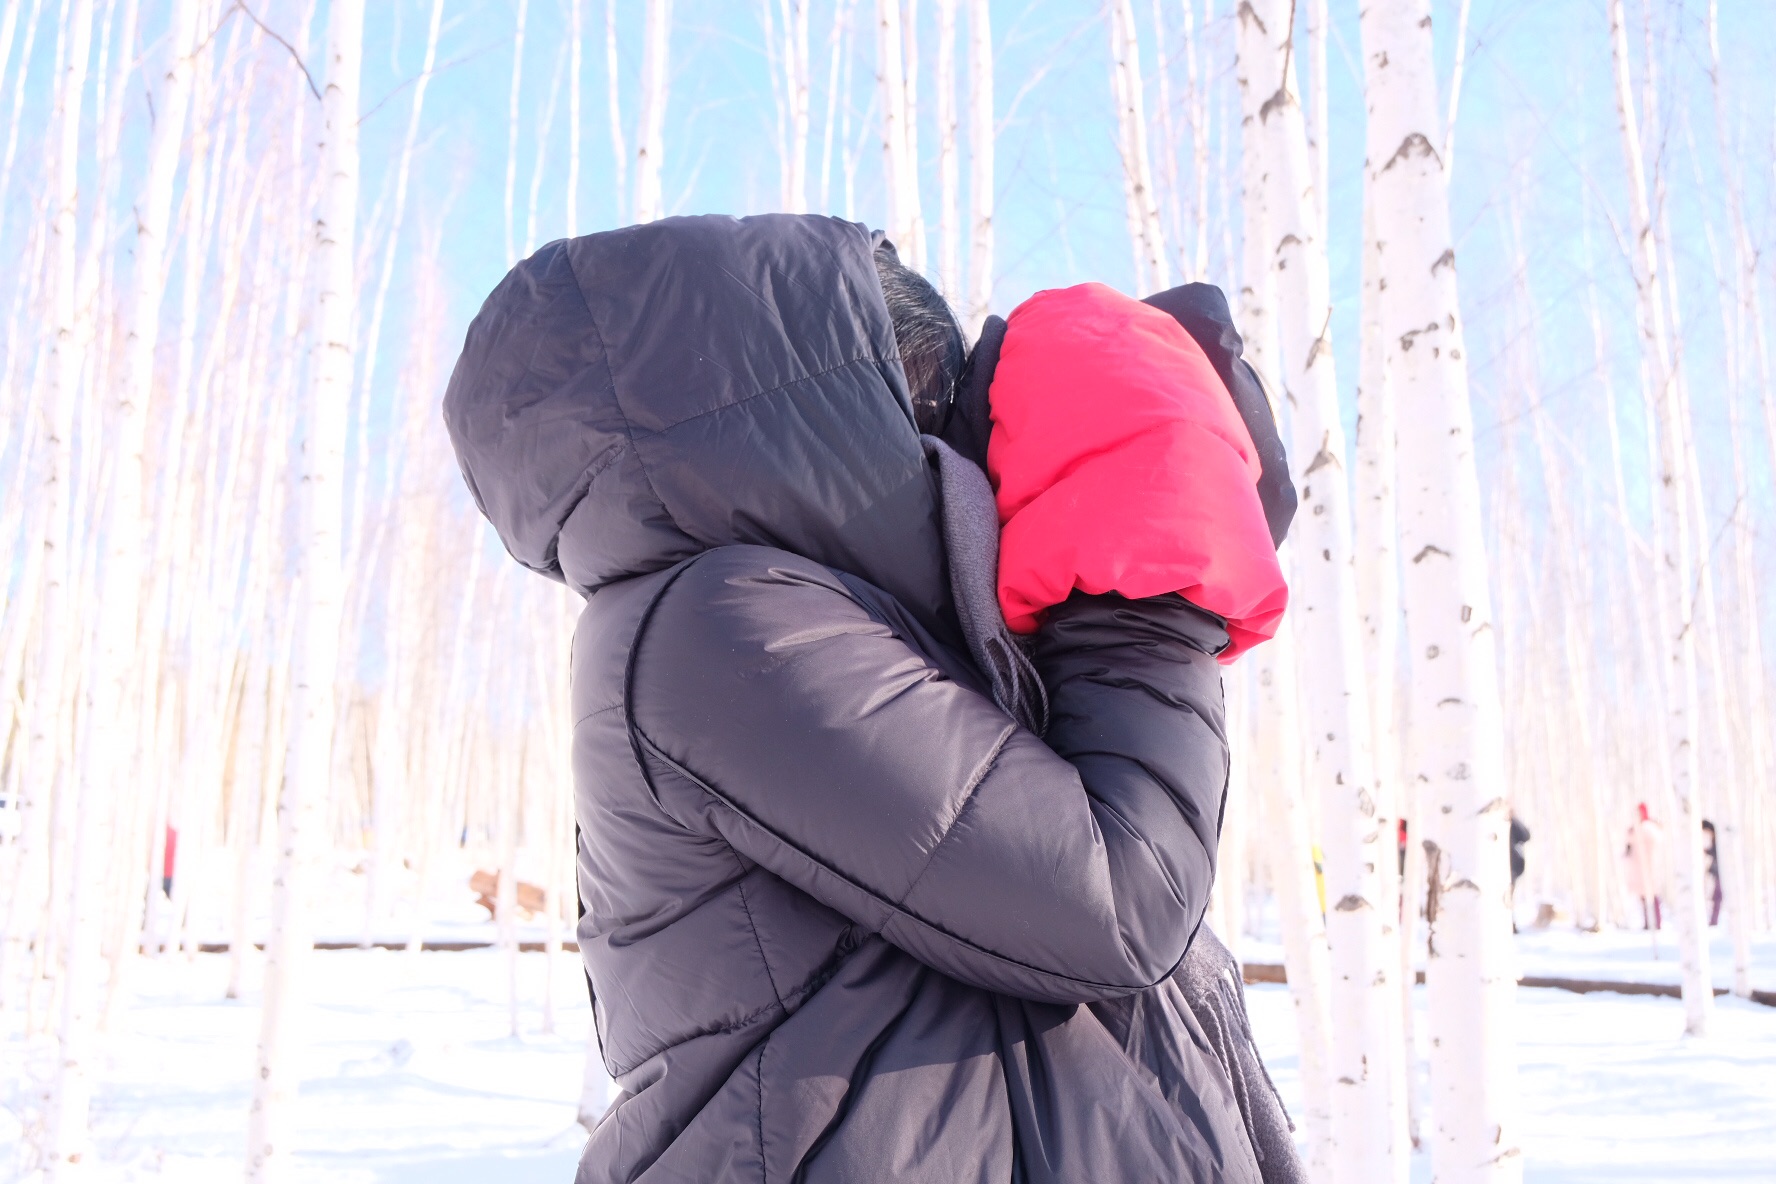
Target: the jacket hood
(627, 400)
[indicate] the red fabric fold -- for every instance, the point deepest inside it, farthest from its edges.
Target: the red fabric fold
(1121, 465)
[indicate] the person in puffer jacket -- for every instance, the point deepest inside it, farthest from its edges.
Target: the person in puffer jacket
(846, 917)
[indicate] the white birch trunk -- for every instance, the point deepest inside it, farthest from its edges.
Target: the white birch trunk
(1318, 134)
(1456, 72)
(512, 130)
(1306, 957)
(72, 1087)
(795, 29)
(897, 165)
(308, 760)
(949, 230)
(981, 134)
(915, 253)
(1378, 597)
(655, 76)
(1735, 851)
(836, 55)
(1364, 996)
(117, 665)
(16, 122)
(1199, 150)
(577, 42)
(1146, 231)
(540, 158)
(249, 824)
(1674, 568)
(507, 785)
(1458, 731)
(1170, 187)
(619, 150)
(1227, 902)
(1305, 954)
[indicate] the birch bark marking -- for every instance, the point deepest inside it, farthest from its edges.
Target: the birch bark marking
(1458, 731)
(1364, 995)
(981, 132)
(71, 1097)
(654, 79)
(308, 753)
(1674, 566)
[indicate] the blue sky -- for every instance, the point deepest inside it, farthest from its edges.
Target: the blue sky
(1536, 140)
(1536, 133)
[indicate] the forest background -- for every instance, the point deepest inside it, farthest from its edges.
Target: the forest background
(468, 159)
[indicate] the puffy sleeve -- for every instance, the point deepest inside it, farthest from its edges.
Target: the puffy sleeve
(770, 707)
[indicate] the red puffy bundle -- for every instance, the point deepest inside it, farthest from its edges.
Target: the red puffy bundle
(1122, 465)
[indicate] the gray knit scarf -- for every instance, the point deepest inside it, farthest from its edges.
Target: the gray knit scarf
(971, 540)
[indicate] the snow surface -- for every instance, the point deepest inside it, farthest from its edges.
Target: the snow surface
(1613, 955)
(412, 1074)
(1612, 1091)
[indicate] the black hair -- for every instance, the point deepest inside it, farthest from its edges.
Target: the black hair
(932, 350)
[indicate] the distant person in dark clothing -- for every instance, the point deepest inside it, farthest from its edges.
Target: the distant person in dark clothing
(1519, 836)
(1711, 852)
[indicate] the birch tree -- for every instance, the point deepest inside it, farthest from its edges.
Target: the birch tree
(72, 1089)
(1735, 851)
(613, 95)
(577, 41)
(898, 167)
(1306, 957)
(949, 232)
(655, 75)
(1335, 708)
(1458, 731)
(308, 758)
(981, 133)
(1378, 598)
(795, 22)
(1146, 231)
(124, 526)
(1674, 569)
(512, 129)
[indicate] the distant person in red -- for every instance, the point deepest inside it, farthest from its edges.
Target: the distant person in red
(1645, 860)
(166, 870)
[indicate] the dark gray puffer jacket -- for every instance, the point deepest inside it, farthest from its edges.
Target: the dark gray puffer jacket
(845, 920)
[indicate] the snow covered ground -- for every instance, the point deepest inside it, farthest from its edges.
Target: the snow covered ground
(412, 1074)
(1612, 1092)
